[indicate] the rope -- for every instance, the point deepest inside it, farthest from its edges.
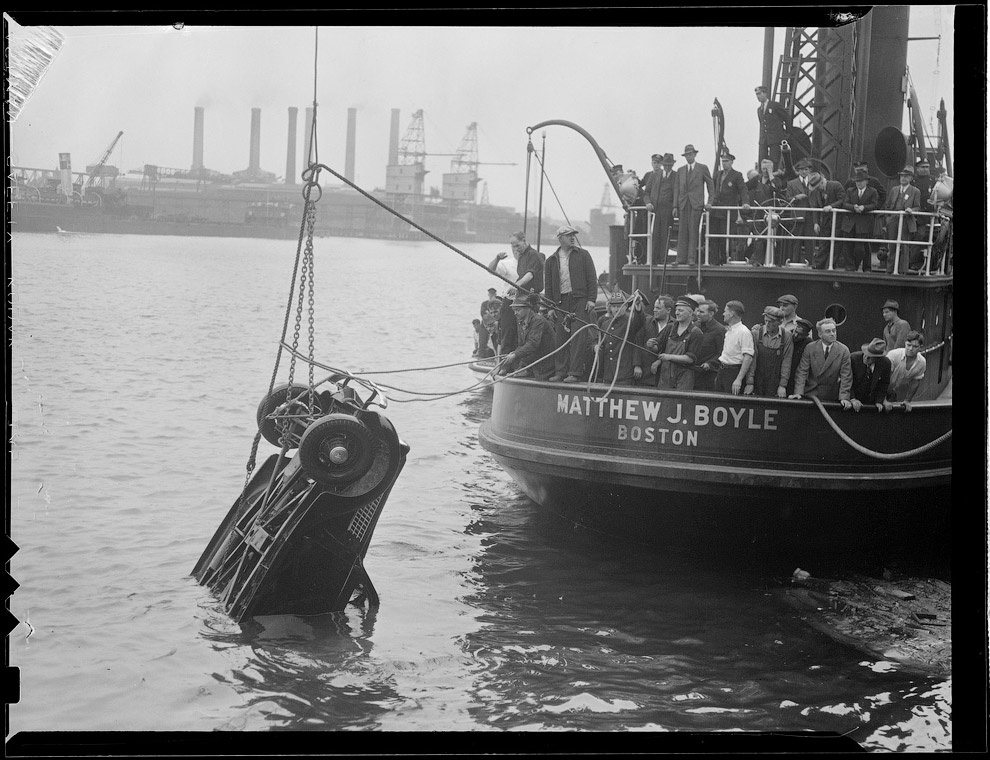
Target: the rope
(559, 204)
(877, 454)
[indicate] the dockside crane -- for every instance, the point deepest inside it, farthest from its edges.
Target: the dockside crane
(97, 170)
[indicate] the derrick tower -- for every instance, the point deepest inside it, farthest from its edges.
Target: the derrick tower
(405, 177)
(461, 182)
(845, 90)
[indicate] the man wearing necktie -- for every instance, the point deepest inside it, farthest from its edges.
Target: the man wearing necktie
(825, 369)
(773, 126)
(799, 195)
(857, 227)
(690, 184)
(905, 197)
(658, 192)
(730, 190)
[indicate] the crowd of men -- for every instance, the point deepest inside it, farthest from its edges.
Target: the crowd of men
(545, 328)
(678, 198)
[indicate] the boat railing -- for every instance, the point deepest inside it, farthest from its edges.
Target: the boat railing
(771, 225)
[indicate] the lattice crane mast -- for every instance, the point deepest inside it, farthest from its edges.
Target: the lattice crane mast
(98, 168)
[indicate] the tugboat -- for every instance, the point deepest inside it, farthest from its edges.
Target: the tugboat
(591, 448)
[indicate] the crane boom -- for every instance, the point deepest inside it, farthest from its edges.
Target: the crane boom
(99, 167)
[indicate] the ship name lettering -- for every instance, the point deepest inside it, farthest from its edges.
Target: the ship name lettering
(722, 416)
(677, 437)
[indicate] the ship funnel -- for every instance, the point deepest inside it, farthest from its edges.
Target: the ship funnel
(197, 162)
(393, 139)
(307, 147)
(351, 138)
(254, 160)
(290, 155)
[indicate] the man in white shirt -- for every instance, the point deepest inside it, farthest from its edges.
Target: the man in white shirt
(907, 369)
(737, 351)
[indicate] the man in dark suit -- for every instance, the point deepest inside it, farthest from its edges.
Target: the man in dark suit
(730, 190)
(825, 369)
(652, 327)
(658, 193)
(871, 371)
(858, 226)
(799, 196)
(773, 126)
(690, 184)
(572, 286)
(907, 198)
(825, 195)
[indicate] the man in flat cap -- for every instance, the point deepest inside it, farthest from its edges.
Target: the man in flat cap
(895, 329)
(677, 348)
(907, 198)
(788, 304)
(535, 341)
(658, 194)
(730, 190)
(774, 349)
(774, 125)
(825, 370)
(737, 351)
(572, 285)
(690, 184)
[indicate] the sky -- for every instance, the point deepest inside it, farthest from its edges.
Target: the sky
(636, 90)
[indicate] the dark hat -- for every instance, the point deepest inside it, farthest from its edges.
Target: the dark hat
(815, 179)
(492, 290)
(876, 347)
(728, 156)
(922, 162)
(804, 322)
(907, 170)
(533, 299)
(803, 164)
(891, 304)
(616, 168)
(668, 158)
(788, 299)
(566, 230)
(860, 172)
(520, 300)
(736, 306)
(688, 149)
(773, 311)
(616, 298)
(686, 301)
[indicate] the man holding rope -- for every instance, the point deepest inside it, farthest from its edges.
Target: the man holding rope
(572, 285)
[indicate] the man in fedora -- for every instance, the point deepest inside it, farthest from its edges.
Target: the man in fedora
(895, 329)
(826, 194)
(871, 376)
(572, 286)
(730, 190)
(907, 198)
(658, 193)
(773, 126)
(825, 370)
(857, 227)
(799, 196)
(689, 201)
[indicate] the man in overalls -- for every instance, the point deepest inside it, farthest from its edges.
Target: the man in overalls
(678, 344)
(771, 366)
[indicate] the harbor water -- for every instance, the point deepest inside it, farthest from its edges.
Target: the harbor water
(137, 365)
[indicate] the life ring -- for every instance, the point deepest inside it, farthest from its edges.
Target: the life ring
(278, 397)
(352, 458)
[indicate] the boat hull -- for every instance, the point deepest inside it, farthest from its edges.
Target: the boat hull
(566, 444)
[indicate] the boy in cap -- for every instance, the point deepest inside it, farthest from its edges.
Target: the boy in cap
(678, 345)
(870, 376)
(572, 285)
(690, 184)
(895, 329)
(907, 198)
(771, 366)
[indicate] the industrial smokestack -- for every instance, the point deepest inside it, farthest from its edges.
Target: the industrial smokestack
(290, 156)
(254, 162)
(307, 147)
(198, 138)
(393, 139)
(351, 138)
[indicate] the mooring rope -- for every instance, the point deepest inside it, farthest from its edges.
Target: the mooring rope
(877, 454)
